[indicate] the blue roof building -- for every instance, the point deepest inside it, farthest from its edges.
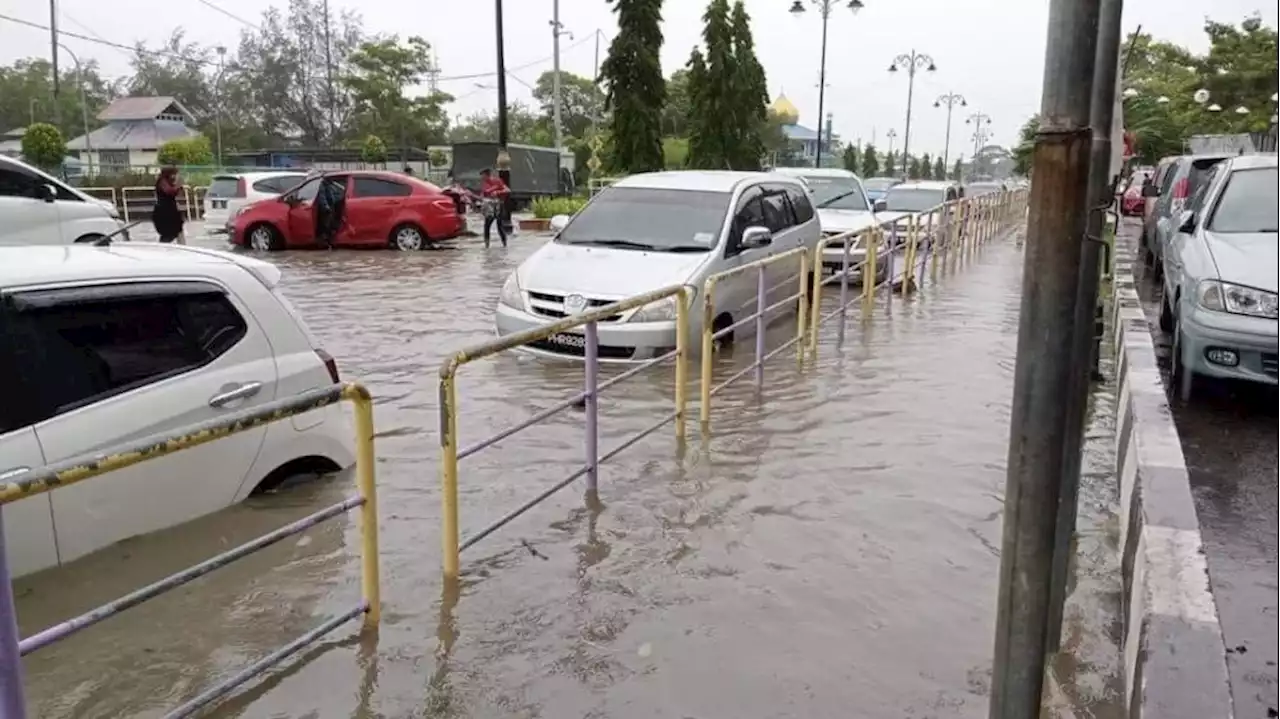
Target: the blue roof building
(803, 140)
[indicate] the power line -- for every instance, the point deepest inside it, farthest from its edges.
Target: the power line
(119, 46)
(527, 65)
(228, 13)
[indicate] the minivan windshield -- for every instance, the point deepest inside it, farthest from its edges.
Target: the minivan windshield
(879, 184)
(642, 218)
(837, 193)
(1248, 203)
(912, 200)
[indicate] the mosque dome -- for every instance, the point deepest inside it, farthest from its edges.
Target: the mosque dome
(785, 110)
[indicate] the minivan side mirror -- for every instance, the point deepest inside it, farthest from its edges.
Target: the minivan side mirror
(1187, 221)
(879, 206)
(754, 237)
(559, 222)
(1149, 189)
(46, 192)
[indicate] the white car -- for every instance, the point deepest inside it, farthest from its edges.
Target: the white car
(843, 206)
(38, 209)
(654, 230)
(106, 345)
(228, 194)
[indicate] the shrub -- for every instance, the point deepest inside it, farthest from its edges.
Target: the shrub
(373, 150)
(44, 146)
(186, 151)
(548, 207)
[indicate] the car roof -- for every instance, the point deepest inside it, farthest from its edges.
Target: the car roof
(694, 180)
(34, 265)
(924, 185)
(814, 172)
(261, 174)
(1251, 162)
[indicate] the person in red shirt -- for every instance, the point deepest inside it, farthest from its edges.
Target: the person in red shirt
(493, 193)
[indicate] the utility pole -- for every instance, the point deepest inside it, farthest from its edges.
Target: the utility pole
(1101, 195)
(1043, 377)
(950, 99)
(222, 53)
(911, 62)
(328, 71)
(504, 158)
(53, 54)
(556, 30)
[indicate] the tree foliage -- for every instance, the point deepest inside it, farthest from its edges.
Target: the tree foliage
(378, 77)
(373, 150)
(523, 126)
(675, 113)
(889, 168)
(939, 169)
(850, 159)
(926, 167)
(636, 90)
(26, 95)
(1026, 146)
(957, 170)
(750, 93)
(186, 151)
(44, 146)
(728, 118)
(580, 101)
(870, 161)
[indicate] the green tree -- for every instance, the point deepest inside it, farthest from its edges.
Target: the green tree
(523, 126)
(939, 169)
(750, 94)
(44, 146)
(636, 92)
(851, 159)
(438, 158)
(379, 75)
(957, 170)
(580, 101)
(373, 150)
(889, 169)
(1026, 146)
(186, 151)
(675, 152)
(27, 89)
(1240, 71)
(870, 161)
(675, 113)
(926, 167)
(712, 123)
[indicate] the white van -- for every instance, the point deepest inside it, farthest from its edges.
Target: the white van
(655, 230)
(38, 209)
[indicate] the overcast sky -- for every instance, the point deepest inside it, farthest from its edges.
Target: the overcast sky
(989, 51)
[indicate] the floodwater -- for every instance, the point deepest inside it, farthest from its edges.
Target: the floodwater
(831, 550)
(1228, 435)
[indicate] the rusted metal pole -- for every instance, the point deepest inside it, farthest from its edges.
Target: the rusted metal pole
(1101, 181)
(1043, 375)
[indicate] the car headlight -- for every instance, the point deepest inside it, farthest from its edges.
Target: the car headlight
(663, 310)
(511, 294)
(1226, 297)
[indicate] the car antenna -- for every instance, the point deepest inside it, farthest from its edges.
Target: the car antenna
(105, 240)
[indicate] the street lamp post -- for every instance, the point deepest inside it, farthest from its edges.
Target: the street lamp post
(951, 99)
(980, 134)
(84, 111)
(824, 9)
(503, 161)
(911, 62)
(557, 29)
(892, 134)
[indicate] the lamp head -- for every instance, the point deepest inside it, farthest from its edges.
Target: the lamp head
(797, 8)
(932, 67)
(893, 67)
(855, 5)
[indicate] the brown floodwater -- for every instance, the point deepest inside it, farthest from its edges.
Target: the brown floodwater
(830, 550)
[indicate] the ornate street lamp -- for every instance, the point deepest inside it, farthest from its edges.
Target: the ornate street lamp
(950, 99)
(824, 9)
(911, 62)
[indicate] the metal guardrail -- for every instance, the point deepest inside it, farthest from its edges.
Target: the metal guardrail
(130, 201)
(63, 474)
(451, 543)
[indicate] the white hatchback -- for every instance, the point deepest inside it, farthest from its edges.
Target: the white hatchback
(39, 209)
(228, 194)
(106, 345)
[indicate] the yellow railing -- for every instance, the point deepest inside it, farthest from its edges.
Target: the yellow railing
(38, 481)
(451, 542)
(129, 200)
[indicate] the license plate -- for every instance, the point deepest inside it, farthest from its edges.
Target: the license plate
(565, 339)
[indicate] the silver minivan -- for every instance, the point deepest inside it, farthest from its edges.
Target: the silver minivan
(39, 209)
(655, 230)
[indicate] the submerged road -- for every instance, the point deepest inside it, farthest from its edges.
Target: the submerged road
(1228, 435)
(831, 551)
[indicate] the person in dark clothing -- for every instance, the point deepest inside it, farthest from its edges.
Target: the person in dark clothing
(493, 193)
(165, 216)
(329, 205)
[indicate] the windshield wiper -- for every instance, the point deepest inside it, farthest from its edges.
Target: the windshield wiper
(616, 243)
(686, 248)
(832, 200)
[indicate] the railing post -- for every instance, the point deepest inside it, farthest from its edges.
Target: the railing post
(889, 260)
(844, 291)
(449, 541)
(366, 482)
(761, 303)
(815, 292)
(591, 383)
(932, 247)
(682, 363)
(869, 269)
(909, 256)
(708, 329)
(12, 701)
(802, 312)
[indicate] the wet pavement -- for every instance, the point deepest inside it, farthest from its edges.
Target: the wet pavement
(1228, 435)
(830, 551)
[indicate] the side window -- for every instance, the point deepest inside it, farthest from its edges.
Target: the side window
(378, 187)
(1202, 186)
(14, 183)
(750, 213)
(800, 204)
(777, 211)
(307, 192)
(89, 344)
(270, 185)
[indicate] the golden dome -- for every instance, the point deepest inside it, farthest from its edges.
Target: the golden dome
(785, 110)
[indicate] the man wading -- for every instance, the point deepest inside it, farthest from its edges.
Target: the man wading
(494, 193)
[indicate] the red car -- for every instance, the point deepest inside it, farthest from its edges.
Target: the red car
(382, 209)
(1132, 201)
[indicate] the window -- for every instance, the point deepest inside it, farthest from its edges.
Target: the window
(800, 205)
(378, 187)
(641, 218)
(14, 183)
(224, 186)
(307, 192)
(278, 185)
(777, 211)
(907, 199)
(837, 193)
(1247, 203)
(113, 159)
(85, 344)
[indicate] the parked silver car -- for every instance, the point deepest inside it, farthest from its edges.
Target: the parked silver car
(1220, 277)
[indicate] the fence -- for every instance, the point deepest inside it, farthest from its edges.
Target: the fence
(33, 482)
(960, 229)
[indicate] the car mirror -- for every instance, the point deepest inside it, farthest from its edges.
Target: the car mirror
(879, 206)
(559, 222)
(754, 237)
(46, 192)
(1150, 190)
(1187, 221)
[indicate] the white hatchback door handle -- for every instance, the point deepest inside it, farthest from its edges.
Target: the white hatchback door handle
(244, 391)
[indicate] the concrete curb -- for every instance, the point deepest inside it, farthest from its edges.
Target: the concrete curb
(1174, 656)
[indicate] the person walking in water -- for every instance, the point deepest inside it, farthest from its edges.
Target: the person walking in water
(328, 208)
(494, 193)
(165, 216)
